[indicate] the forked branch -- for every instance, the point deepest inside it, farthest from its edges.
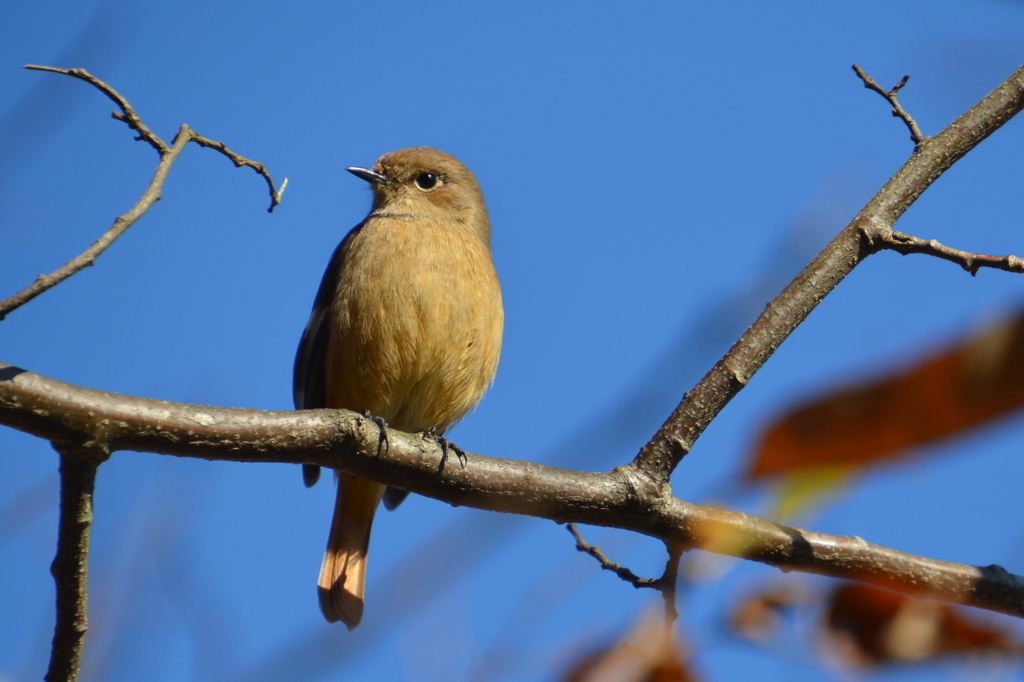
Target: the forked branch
(168, 155)
(345, 440)
(892, 97)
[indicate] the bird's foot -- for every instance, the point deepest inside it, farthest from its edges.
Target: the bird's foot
(447, 445)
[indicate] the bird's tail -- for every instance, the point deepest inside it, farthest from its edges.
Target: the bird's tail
(343, 573)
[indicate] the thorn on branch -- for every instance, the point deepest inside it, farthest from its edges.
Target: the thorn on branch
(891, 96)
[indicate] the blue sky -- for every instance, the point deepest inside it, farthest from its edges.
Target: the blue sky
(654, 173)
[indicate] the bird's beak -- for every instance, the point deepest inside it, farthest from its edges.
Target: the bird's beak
(368, 175)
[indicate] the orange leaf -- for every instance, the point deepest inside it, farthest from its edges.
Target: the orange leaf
(646, 654)
(873, 626)
(963, 386)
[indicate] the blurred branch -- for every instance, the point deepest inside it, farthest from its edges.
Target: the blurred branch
(152, 194)
(71, 564)
(891, 96)
(867, 233)
(105, 422)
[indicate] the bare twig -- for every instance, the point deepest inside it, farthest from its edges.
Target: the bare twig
(608, 565)
(239, 161)
(71, 564)
(931, 158)
(149, 197)
(670, 581)
(666, 584)
(168, 155)
(634, 497)
(127, 114)
(971, 262)
(892, 97)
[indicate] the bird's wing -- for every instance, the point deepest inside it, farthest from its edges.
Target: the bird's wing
(308, 389)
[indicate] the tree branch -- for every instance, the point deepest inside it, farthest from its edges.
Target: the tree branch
(149, 197)
(127, 113)
(71, 564)
(105, 422)
(867, 233)
(168, 155)
(971, 262)
(607, 564)
(239, 161)
(891, 96)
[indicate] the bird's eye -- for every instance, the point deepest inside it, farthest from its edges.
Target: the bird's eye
(427, 181)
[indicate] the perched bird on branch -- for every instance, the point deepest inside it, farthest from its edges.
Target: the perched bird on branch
(406, 327)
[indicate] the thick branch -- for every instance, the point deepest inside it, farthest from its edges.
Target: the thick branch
(345, 440)
(71, 565)
(864, 235)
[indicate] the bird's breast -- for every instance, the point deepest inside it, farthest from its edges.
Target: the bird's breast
(417, 323)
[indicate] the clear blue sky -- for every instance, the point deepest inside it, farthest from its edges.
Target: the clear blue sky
(653, 172)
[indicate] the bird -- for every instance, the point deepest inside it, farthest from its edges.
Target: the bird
(406, 327)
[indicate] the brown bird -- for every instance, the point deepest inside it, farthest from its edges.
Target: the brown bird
(406, 327)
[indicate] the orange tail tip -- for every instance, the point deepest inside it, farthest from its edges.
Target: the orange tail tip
(342, 582)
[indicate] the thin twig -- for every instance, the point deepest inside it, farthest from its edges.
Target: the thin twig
(670, 580)
(666, 584)
(971, 262)
(608, 565)
(168, 154)
(70, 567)
(88, 257)
(239, 161)
(892, 97)
(127, 114)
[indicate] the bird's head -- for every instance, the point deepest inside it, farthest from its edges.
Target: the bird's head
(425, 183)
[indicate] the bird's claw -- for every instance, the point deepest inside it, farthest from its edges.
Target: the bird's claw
(382, 426)
(447, 445)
